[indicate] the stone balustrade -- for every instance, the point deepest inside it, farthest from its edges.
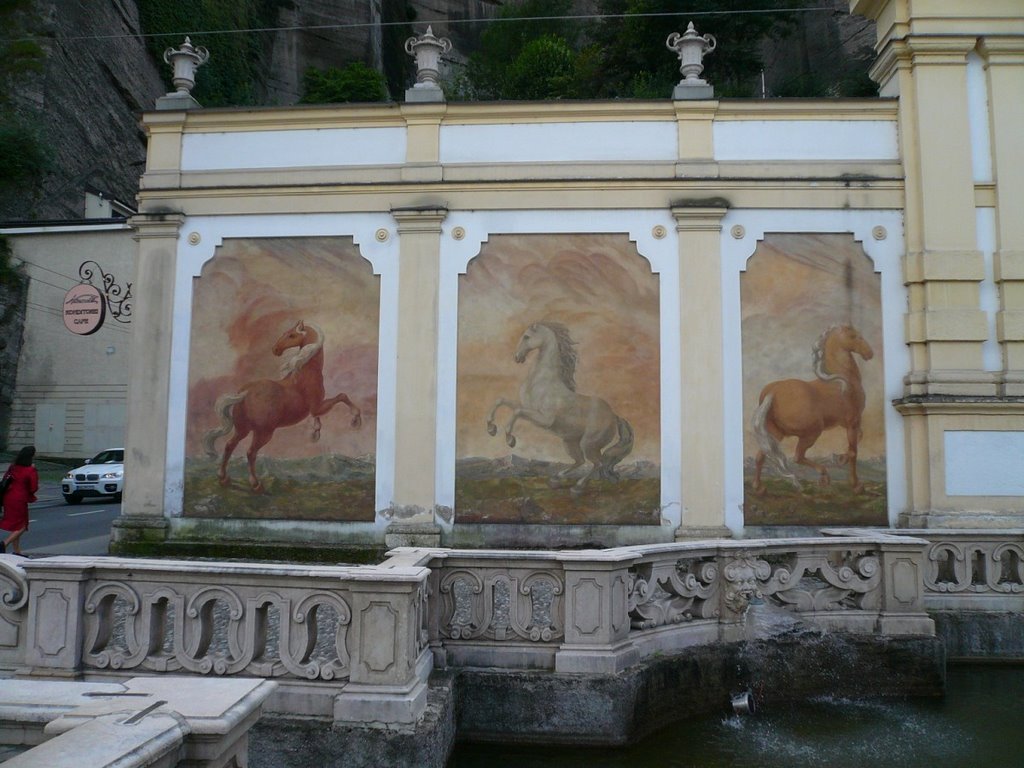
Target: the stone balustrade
(343, 642)
(969, 570)
(356, 644)
(600, 611)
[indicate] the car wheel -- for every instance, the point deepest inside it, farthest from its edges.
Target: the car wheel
(117, 497)
(73, 498)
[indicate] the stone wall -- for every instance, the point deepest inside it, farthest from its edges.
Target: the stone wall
(97, 78)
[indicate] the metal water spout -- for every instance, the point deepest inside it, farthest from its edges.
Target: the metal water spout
(427, 50)
(186, 60)
(742, 703)
(691, 48)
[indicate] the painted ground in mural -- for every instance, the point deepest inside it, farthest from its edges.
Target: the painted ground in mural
(282, 404)
(558, 416)
(813, 387)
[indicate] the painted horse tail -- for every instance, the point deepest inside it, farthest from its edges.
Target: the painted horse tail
(621, 449)
(223, 407)
(769, 445)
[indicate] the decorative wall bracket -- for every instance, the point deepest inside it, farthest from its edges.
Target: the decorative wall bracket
(118, 299)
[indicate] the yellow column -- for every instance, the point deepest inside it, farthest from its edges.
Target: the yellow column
(702, 376)
(1004, 60)
(142, 511)
(419, 231)
(945, 326)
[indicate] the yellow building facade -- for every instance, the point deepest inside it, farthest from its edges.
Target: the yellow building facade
(579, 323)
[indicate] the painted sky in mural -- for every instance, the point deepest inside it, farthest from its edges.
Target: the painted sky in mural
(251, 293)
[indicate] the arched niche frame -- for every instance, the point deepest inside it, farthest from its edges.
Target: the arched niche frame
(377, 240)
(654, 234)
(880, 233)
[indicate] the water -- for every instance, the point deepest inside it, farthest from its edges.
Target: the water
(979, 722)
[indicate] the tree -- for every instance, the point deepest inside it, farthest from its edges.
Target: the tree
(638, 62)
(234, 75)
(354, 82)
(524, 55)
(623, 54)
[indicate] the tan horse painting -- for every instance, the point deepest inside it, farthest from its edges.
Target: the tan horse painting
(264, 406)
(805, 409)
(548, 398)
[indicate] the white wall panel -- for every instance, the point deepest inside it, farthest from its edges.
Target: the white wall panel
(324, 147)
(806, 140)
(984, 463)
(559, 142)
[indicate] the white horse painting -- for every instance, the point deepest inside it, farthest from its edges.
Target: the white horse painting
(548, 398)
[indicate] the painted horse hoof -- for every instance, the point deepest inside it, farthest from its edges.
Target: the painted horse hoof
(315, 437)
(575, 492)
(858, 488)
(511, 440)
(224, 480)
(492, 429)
(357, 421)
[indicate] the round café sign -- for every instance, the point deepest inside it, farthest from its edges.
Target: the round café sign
(84, 309)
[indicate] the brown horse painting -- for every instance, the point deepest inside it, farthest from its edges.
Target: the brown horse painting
(263, 406)
(805, 409)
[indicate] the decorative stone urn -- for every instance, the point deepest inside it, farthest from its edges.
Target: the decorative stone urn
(427, 50)
(691, 48)
(186, 60)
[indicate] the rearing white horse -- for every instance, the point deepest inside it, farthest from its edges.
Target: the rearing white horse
(548, 398)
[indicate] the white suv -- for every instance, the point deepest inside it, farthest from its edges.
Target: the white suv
(102, 475)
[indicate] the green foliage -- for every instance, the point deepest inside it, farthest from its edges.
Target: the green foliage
(234, 74)
(636, 56)
(623, 55)
(354, 82)
(524, 59)
(19, 53)
(24, 155)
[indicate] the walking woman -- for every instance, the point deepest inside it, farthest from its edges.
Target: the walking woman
(22, 490)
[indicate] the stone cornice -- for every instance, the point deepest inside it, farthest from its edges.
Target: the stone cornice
(156, 225)
(421, 219)
(959, 405)
(485, 113)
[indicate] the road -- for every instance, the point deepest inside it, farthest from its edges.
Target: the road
(57, 528)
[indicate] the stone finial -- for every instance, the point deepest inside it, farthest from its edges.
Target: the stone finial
(427, 50)
(691, 48)
(185, 60)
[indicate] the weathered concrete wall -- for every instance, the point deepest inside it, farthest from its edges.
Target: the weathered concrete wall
(981, 635)
(532, 706)
(283, 742)
(580, 709)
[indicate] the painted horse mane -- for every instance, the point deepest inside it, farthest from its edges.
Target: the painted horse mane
(305, 353)
(567, 356)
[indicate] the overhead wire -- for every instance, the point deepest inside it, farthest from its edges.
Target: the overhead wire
(445, 22)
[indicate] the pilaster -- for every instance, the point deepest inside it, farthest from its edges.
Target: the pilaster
(423, 141)
(419, 231)
(596, 619)
(1004, 64)
(945, 325)
(142, 511)
(702, 377)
